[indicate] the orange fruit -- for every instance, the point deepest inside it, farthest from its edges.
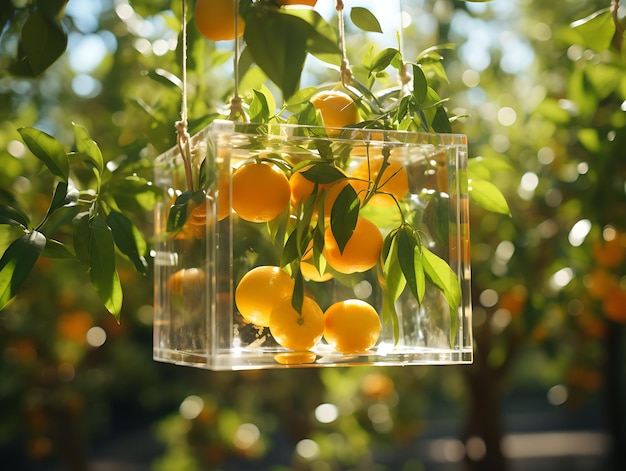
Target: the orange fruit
(599, 282)
(259, 291)
(310, 3)
(297, 330)
(331, 193)
(351, 326)
(591, 325)
(377, 386)
(302, 188)
(309, 270)
(187, 281)
(295, 358)
(610, 253)
(196, 222)
(23, 350)
(360, 253)
(614, 305)
(223, 200)
(74, 325)
(392, 184)
(311, 273)
(215, 19)
(337, 109)
(514, 300)
(260, 192)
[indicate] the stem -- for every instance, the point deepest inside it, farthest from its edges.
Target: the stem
(619, 29)
(372, 189)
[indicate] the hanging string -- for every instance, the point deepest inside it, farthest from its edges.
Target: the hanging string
(236, 108)
(183, 137)
(346, 73)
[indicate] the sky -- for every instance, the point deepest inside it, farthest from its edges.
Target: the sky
(87, 49)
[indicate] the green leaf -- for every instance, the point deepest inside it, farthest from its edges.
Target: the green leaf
(52, 8)
(166, 78)
(552, 111)
(82, 236)
(179, 212)
(323, 173)
(128, 239)
(383, 59)
(308, 115)
(590, 139)
(420, 85)
(393, 286)
(485, 165)
(440, 273)
(133, 193)
(365, 20)
(409, 256)
(442, 276)
(277, 43)
(59, 198)
(582, 91)
(17, 262)
(597, 30)
(12, 216)
(344, 215)
(394, 276)
(259, 109)
(322, 40)
(42, 42)
(86, 146)
(102, 270)
(47, 149)
(486, 195)
(441, 122)
(57, 250)
(297, 297)
(291, 250)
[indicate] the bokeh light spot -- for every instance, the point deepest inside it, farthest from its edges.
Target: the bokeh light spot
(96, 336)
(326, 413)
(307, 449)
(191, 407)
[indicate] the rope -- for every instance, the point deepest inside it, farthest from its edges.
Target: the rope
(346, 73)
(236, 108)
(183, 137)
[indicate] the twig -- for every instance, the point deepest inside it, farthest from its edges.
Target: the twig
(619, 29)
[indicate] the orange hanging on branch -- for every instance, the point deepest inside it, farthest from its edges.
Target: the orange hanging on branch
(337, 108)
(215, 20)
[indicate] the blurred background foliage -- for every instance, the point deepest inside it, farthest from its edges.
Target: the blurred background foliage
(546, 106)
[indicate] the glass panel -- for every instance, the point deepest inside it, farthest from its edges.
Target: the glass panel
(280, 246)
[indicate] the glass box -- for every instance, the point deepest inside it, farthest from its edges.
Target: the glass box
(281, 246)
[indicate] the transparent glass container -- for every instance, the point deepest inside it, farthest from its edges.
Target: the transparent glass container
(412, 186)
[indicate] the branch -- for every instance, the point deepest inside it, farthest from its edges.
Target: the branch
(619, 29)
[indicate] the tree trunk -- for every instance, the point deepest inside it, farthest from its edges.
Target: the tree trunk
(483, 429)
(615, 390)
